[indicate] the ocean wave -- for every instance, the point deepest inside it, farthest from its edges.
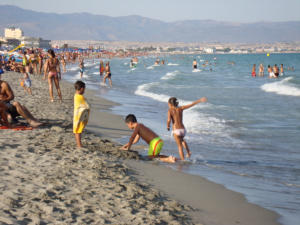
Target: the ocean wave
(195, 121)
(283, 87)
(173, 64)
(196, 70)
(170, 75)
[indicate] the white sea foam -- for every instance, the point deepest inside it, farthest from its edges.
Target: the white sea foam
(73, 68)
(96, 73)
(283, 87)
(150, 68)
(173, 64)
(170, 75)
(195, 121)
(196, 70)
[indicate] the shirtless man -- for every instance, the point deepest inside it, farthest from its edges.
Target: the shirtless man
(261, 70)
(195, 64)
(175, 115)
(152, 139)
(276, 70)
(15, 109)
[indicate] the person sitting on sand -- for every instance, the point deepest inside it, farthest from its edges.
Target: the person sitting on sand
(15, 109)
(3, 114)
(152, 139)
(81, 112)
(175, 115)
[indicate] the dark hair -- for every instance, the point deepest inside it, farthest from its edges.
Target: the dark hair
(269, 66)
(130, 118)
(275, 64)
(173, 101)
(78, 85)
(51, 52)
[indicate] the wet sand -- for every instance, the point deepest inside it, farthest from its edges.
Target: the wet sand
(45, 179)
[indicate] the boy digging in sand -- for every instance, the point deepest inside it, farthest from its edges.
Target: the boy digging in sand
(81, 112)
(175, 115)
(151, 138)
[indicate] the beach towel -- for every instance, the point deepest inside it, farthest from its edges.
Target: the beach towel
(16, 128)
(81, 114)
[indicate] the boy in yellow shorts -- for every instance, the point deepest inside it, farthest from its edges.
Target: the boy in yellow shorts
(152, 139)
(81, 112)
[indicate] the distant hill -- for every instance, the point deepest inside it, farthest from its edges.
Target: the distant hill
(85, 26)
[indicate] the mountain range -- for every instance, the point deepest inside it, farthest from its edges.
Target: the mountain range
(86, 26)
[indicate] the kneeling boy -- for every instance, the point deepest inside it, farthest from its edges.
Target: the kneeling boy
(154, 141)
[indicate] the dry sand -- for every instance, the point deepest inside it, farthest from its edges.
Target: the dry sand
(45, 179)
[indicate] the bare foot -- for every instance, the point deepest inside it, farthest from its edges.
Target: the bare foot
(188, 154)
(170, 159)
(34, 123)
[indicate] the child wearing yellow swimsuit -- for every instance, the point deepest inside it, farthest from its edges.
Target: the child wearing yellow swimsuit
(81, 112)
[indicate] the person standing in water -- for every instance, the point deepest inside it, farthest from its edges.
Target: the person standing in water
(276, 70)
(195, 66)
(261, 70)
(81, 67)
(63, 62)
(254, 70)
(107, 74)
(101, 69)
(281, 70)
(175, 115)
(52, 67)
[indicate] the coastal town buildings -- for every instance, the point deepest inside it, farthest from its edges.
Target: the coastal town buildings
(15, 36)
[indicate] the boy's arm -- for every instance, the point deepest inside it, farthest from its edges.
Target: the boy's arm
(204, 99)
(135, 137)
(169, 120)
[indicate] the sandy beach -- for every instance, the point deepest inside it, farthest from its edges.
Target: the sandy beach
(45, 179)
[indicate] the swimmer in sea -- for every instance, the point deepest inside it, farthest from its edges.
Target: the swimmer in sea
(254, 70)
(195, 64)
(81, 67)
(281, 70)
(175, 115)
(261, 70)
(276, 70)
(107, 74)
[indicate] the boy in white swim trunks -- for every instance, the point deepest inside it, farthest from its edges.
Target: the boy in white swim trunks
(175, 114)
(152, 139)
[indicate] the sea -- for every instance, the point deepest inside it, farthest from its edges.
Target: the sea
(247, 135)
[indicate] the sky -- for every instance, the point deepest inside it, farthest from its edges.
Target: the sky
(244, 11)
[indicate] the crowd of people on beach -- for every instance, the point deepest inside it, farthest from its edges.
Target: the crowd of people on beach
(36, 62)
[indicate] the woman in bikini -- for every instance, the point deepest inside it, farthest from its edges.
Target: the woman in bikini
(175, 115)
(53, 68)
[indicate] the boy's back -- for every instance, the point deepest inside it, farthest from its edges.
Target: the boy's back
(144, 132)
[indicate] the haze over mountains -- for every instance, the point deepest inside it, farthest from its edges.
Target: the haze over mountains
(85, 26)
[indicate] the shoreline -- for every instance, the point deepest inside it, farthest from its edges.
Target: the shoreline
(163, 179)
(53, 178)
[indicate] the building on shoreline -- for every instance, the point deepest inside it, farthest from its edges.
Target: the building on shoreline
(15, 36)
